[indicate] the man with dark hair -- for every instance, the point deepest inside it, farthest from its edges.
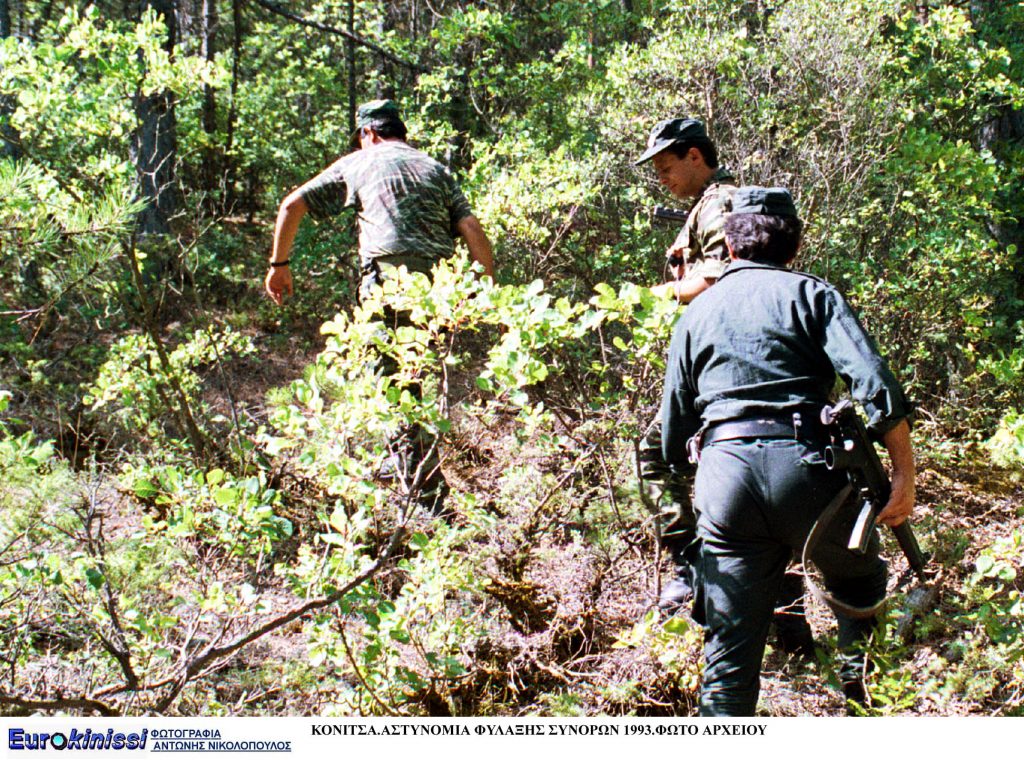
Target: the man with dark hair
(686, 162)
(751, 364)
(410, 211)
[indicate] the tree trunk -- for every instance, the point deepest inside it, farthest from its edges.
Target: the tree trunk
(350, 57)
(8, 138)
(755, 16)
(208, 49)
(231, 169)
(386, 70)
(154, 144)
(211, 169)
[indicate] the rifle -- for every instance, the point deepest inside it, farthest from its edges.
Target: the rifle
(670, 214)
(852, 450)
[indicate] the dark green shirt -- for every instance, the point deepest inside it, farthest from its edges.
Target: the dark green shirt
(769, 340)
(408, 204)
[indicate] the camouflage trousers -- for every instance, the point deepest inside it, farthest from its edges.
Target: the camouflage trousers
(668, 495)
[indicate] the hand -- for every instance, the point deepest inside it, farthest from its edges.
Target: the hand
(900, 504)
(278, 284)
(901, 454)
(665, 290)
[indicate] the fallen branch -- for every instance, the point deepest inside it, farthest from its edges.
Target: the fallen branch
(90, 705)
(215, 653)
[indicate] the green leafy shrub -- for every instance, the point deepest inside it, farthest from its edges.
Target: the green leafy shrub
(140, 394)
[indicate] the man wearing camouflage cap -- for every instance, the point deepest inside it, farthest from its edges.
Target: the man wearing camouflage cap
(410, 211)
(686, 162)
(751, 364)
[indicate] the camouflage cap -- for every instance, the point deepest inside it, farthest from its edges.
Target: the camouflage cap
(771, 201)
(671, 131)
(376, 110)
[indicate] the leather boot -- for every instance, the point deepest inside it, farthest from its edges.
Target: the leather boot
(678, 593)
(853, 660)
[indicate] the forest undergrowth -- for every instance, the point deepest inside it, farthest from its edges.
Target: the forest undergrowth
(536, 597)
(197, 509)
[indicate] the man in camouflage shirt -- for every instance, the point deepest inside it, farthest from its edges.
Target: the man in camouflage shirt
(687, 165)
(686, 161)
(410, 211)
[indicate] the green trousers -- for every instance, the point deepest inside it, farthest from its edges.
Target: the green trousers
(414, 449)
(668, 495)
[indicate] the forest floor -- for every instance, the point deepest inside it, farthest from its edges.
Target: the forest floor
(559, 643)
(566, 621)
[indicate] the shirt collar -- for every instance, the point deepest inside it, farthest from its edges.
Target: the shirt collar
(739, 265)
(722, 176)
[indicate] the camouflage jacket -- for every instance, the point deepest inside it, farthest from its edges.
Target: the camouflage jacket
(702, 239)
(407, 203)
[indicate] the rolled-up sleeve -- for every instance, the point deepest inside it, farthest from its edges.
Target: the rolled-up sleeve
(855, 357)
(326, 194)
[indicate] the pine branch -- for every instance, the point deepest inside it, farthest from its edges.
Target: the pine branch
(275, 8)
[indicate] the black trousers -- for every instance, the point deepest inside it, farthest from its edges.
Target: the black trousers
(757, 500)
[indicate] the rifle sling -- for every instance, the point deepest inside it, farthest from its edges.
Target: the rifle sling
(820, 526)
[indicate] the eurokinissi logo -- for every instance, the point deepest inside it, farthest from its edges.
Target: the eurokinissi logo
(20, 739)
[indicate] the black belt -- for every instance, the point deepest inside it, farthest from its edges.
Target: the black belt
(801, 426)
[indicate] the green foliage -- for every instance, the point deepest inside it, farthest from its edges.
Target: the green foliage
(85, 594)
(69, 201)
(406, 648)
(235, 514)
(136, 390)
(887, 130)
(1007, 445)
(674, 643)
(339, 422)
(986, 661)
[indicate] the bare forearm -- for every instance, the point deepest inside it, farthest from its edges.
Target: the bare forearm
(683, 290)
(278, 282)
(476, 241)
(292, 210)
(901, 454)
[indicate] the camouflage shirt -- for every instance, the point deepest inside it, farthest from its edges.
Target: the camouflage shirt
(702, 239)
(408, 204)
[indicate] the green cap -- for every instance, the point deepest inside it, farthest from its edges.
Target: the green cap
(771, 201)
(671, 131)
(374, 111)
